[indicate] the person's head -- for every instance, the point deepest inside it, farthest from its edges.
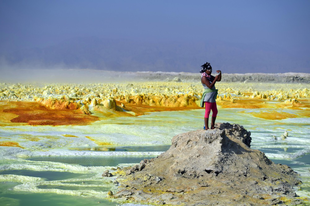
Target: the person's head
(206, 67)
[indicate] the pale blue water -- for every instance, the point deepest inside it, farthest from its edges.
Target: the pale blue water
(75, 164)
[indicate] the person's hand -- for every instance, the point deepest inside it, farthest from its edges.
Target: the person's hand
(216, 77)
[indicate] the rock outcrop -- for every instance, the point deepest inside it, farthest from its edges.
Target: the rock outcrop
(213, 167)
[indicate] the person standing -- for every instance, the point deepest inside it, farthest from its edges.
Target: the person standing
(210, 92)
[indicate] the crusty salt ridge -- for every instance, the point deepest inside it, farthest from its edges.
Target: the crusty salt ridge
(210, 167)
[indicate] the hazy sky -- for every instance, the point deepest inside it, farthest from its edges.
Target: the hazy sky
(235, 35)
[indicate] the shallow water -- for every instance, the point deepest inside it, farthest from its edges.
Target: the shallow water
(63, 165)
(48, 199)
(94, 161)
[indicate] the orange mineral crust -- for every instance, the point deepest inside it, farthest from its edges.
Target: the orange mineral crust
(9, 144)
(33, 113)
(143, 109)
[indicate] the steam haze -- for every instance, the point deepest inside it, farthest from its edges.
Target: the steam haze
(171, 36)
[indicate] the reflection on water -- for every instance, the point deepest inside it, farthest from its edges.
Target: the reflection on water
(93, 161)
(79, 178)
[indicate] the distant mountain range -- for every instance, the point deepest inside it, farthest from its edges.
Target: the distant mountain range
(128, 55)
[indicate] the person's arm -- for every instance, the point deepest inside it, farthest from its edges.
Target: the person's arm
(207, 83)
(219, 75)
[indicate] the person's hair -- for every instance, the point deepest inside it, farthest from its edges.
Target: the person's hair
(206, 66)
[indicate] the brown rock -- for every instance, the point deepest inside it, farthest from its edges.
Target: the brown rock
(107, 174)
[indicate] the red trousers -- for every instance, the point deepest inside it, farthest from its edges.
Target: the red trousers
(210, 106)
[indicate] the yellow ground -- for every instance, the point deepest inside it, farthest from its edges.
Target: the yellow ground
(83, 104)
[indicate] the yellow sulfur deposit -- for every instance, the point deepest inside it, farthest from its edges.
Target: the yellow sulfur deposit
(273, 115)
(59, 104)
(99, 143)
(68, 135)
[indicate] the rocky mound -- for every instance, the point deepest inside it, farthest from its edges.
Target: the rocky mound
(210, 167)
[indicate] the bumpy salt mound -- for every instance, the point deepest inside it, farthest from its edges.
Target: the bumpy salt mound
(210, 167)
